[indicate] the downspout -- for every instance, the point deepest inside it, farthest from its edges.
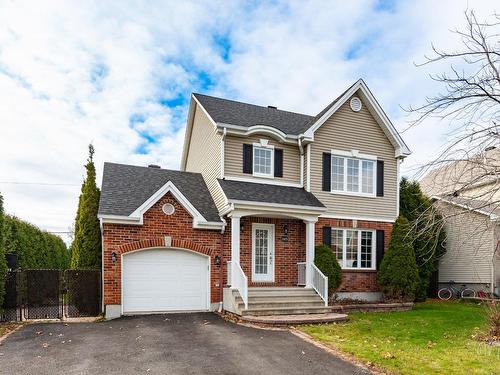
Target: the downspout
(102, 265)
(301, 150)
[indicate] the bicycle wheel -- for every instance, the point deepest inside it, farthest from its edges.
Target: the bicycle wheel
(468, 293)
(445, 294)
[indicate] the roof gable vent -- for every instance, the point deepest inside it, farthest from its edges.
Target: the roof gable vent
(356, 104)
(154, 166)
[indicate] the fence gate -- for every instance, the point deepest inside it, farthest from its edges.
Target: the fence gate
(43, 294)
(10, 310)
(51, 294)
(83, 297)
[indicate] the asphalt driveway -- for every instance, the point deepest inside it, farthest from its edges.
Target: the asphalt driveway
(200, 343)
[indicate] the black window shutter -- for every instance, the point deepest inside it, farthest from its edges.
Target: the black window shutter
(247, 158)
(278, 162)
(327, 236)
(380, 246)
(327, 172)
(380, 178)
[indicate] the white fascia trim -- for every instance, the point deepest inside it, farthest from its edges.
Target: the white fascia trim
(261, 179)
(168, 187)
(208, 225)
(354, 154)
(402, 149)
(222, 153)
(259, 129)
(189, 128)
(276, 206)
(187, 134)
(329, 215)
(118, 219)
(398, 176)
(492, 217)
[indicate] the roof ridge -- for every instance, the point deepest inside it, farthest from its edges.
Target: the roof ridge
(149, 168)
(251, 104)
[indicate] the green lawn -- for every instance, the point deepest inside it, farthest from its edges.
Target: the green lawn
(433, 338)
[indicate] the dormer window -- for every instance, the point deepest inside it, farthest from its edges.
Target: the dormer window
(263, 161)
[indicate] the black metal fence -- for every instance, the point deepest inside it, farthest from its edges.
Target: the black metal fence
(51, 294)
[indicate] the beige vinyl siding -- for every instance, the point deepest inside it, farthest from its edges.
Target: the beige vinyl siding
(205, 154)
(469, 246)
(346, 130)
(233, 166)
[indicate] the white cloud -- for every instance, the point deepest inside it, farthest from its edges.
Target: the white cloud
(76, 72)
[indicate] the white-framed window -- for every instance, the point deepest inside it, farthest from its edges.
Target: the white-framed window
(353, 175)
(263, 161)
(354, 248)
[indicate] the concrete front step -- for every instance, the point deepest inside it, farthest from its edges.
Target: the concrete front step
(278, 293)
(252, 305)
(281, 299)
(286, 310)
(295, 319)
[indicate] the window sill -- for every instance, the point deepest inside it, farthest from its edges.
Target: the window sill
(363, 195)
(258, 175)
(359, 270)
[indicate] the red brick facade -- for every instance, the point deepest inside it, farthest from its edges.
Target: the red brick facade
(289, 250)
(355, 281)
(121, 238)
(286, 253)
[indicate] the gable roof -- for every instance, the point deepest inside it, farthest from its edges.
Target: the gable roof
(373, 106)
(492, 210)
(125, 188)
(463, 174)
(225, 113)
(267, 193)
(231, 112)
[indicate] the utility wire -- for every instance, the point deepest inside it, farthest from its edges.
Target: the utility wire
(36, 183)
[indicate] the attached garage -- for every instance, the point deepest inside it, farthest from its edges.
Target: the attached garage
(165, 279)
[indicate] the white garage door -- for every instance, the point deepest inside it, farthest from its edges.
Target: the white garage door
(159, 280)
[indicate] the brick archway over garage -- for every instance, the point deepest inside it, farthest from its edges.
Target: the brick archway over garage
(160, 242)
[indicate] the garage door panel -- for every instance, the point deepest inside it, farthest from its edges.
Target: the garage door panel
(164, 280)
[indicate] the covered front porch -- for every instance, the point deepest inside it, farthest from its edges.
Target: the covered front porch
(270, 265)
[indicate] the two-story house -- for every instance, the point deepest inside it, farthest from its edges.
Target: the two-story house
(259, 187)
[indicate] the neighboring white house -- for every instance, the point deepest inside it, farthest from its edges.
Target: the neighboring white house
(467, 194)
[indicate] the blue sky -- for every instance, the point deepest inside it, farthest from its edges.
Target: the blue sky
(120, 74)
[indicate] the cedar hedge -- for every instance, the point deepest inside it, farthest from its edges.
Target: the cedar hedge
(326, 261)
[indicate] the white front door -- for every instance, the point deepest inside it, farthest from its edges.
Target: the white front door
(262, 252)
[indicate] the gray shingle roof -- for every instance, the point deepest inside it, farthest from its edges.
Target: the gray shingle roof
(254, 192)
(244, 114)
(486, 207)
(127, 187)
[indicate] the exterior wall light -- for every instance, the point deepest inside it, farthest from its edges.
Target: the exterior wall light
(285, 229)
(217, 260)
(113, 257)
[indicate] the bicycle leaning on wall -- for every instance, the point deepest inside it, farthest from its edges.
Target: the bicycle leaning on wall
(452, 291)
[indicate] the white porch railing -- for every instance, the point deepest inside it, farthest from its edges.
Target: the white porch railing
(228, 267)
(239, 281)
(301, 272)
(320, 283)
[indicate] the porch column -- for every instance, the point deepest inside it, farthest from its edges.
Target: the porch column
(310, 225)
(235, 243)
